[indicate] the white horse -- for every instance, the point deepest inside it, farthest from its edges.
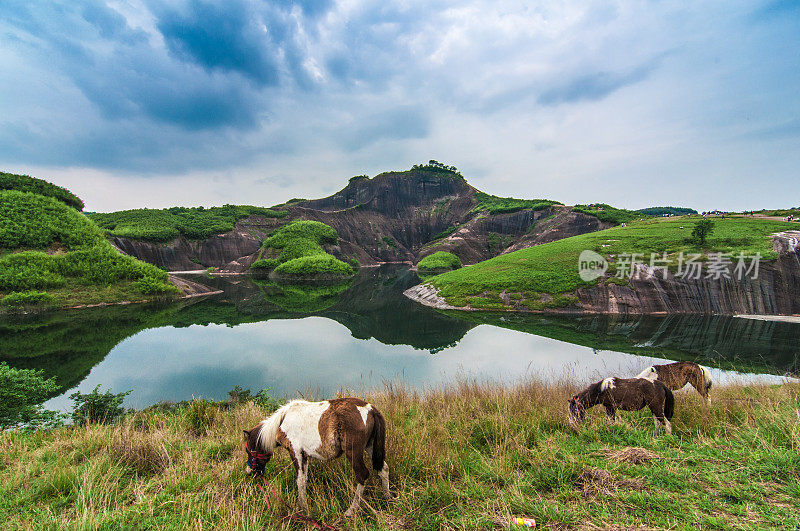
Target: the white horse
(322, 430)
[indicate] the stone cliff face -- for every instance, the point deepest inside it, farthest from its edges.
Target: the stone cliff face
(776, 290)
(394, 217)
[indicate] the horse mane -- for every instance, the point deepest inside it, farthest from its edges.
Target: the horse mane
(268, 433)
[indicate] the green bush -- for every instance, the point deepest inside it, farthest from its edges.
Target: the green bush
(302, 229)
(200, 415)
(439, 260)
(166, 224)
(313, 265)
(26, 183)
(150, 285)
(33, 221)
(504, 205)
(22, 298)
(607, 213)
(265, 263)
(22, 392)
(97, 407)
(301, 253)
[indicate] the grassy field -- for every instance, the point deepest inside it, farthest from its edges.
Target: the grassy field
(163, 225)
(463, 458)
(552, 268)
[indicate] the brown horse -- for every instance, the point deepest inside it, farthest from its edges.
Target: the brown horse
(628, 394)
(322, 430)
(676, 375)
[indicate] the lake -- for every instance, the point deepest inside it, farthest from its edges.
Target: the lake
(314, 340)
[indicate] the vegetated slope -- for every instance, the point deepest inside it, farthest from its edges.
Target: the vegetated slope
(296, 250)
(395, 216)
(440, 260)
(163, 225)
(51, 253)
(26, 183)
(495, 452)
(547, 276)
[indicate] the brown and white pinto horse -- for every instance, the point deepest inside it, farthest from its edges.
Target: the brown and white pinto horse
(628, 394)
(322, 430)
(676, 375)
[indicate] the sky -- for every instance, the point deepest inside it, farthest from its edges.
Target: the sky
(147, 103)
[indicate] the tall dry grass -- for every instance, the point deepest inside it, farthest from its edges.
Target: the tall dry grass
(465, 457)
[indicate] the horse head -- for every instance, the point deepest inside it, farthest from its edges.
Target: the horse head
(256, 458)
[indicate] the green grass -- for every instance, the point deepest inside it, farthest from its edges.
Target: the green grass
(439, 260)
(162, 225)
(296, 249)
(52, 248)
(552, 268)
(609, 214)
(661, 211)
(315, 265)
(504, 205)
(461, 458)
(26, 183)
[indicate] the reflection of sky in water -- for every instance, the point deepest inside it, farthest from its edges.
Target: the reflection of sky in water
(319, 356)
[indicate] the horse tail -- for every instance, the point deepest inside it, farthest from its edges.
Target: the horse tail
(706, 379)
(669, 403)
(378, 440)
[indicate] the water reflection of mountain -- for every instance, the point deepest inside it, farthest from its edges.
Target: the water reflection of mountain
(744, 345)
(67, 344)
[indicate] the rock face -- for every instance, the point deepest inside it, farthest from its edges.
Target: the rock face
(393, 217)
(775, 291)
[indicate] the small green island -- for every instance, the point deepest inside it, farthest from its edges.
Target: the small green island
(295, 250)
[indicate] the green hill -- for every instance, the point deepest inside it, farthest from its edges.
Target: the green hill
(296, 250)
(51, 253)
(26, 183)
(552, 268)
(163, 225)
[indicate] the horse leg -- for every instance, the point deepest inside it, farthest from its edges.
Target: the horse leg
(355, 454)
(302, 475)
(610, 414)
(383, 473)
(659, 419)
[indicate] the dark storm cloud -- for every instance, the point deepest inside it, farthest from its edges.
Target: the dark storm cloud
(224, 36)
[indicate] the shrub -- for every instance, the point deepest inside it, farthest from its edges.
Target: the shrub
(439, 260)
(504, 205)
(303, 229)
(313, 265)
(438, 167)
(22, 392)
(701, 231)
(26, 183)
(265, 263)
(97, 407)
(150, 285)
(33, 221)
(200, 415)
(22, 298)
(354, 263)
(607, 213)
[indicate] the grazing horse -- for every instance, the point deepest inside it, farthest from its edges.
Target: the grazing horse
(676, 375)
(628, 394)
(322, 430)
